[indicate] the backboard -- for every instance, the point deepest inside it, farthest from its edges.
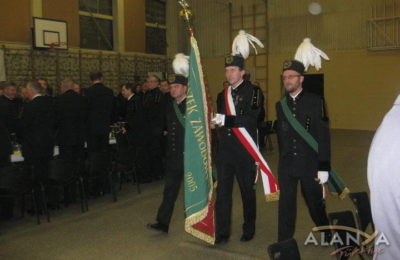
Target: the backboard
(49, 34)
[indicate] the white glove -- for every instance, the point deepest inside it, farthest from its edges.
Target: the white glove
(219, 119)
(323, 176)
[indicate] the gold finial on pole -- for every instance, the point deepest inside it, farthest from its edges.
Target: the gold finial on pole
(186, 14)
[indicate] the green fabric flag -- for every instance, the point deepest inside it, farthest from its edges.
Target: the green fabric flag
(335, 184)
(199, 208)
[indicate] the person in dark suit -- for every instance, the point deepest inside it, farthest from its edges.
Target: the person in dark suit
(120, 106)
(6, 204)
(154, 105)
(234, 159)
(175, 146)
(71, 115)
(100, 111)
(297, 160)
(134, 130)
(5, 145)
(10, 106)
(36, 130)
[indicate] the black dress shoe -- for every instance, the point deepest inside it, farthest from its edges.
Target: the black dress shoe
(158, 226)
(246, 237)
(221, 239)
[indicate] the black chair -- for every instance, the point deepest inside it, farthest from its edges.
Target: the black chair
(16, 184)
(344, 218)
(124, 163)
(363, 210)
(99, 177)
(285, 250)
(64, 175)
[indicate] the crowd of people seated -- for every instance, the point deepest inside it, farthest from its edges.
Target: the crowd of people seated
(78, 125)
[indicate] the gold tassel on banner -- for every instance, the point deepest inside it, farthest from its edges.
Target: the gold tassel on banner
(272, 197)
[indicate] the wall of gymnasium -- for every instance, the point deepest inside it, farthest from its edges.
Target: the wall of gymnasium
(122, 65)
(16, 20)
(360, 85)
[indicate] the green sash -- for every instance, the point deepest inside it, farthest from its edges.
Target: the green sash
(335, 183)
(179, 115)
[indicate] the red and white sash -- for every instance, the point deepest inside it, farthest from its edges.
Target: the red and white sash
(271, 187)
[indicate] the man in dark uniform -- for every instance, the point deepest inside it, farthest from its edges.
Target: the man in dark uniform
(100, 110)
(297, 161)
(154, 105)
(134, 130)
(5, 145)
(36, 130)
(175, 146)
(120, 106)
(10, 106)
(234, 159)
(71, 116)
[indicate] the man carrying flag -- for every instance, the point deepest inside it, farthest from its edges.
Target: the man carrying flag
(238, 152)
(175, 115)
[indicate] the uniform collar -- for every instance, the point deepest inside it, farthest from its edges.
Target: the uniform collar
(129, 98)
(35, 96)
(297, 97)
(237, 85)
(11, 99)
(181, 101)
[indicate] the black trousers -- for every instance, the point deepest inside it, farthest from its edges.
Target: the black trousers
(154, 149)
(38, 168)
(312, 193)
(173, 179)
(239, 163)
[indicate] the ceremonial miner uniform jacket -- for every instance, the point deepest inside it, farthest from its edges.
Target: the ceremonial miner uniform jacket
(134, 118)
(246, 98)
(296, 157)
(36, 128)
(175, 137)
(154, 108)
(71, 117)
(100, 108)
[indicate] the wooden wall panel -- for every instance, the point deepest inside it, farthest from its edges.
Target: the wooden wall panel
(66, 11)
(15, 21)
(135, 30)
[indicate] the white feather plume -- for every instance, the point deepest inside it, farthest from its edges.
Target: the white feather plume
(181, 64)
(310, 55)
(241, 43)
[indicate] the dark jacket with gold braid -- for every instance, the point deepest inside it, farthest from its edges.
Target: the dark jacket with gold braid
(175, 137)
(246, 98)
(296, 157)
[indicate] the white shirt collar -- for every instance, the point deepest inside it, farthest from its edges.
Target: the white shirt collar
(129, 98)
(294, 97)
(180, 101)
(35, 96)
(237, 85)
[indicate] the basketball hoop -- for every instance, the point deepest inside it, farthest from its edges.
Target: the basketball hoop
(56, 45)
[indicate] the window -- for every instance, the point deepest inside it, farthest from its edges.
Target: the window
(96, 24)
(156, 33)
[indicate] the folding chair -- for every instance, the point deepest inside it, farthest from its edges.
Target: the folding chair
(344, 218)
(362, 209)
